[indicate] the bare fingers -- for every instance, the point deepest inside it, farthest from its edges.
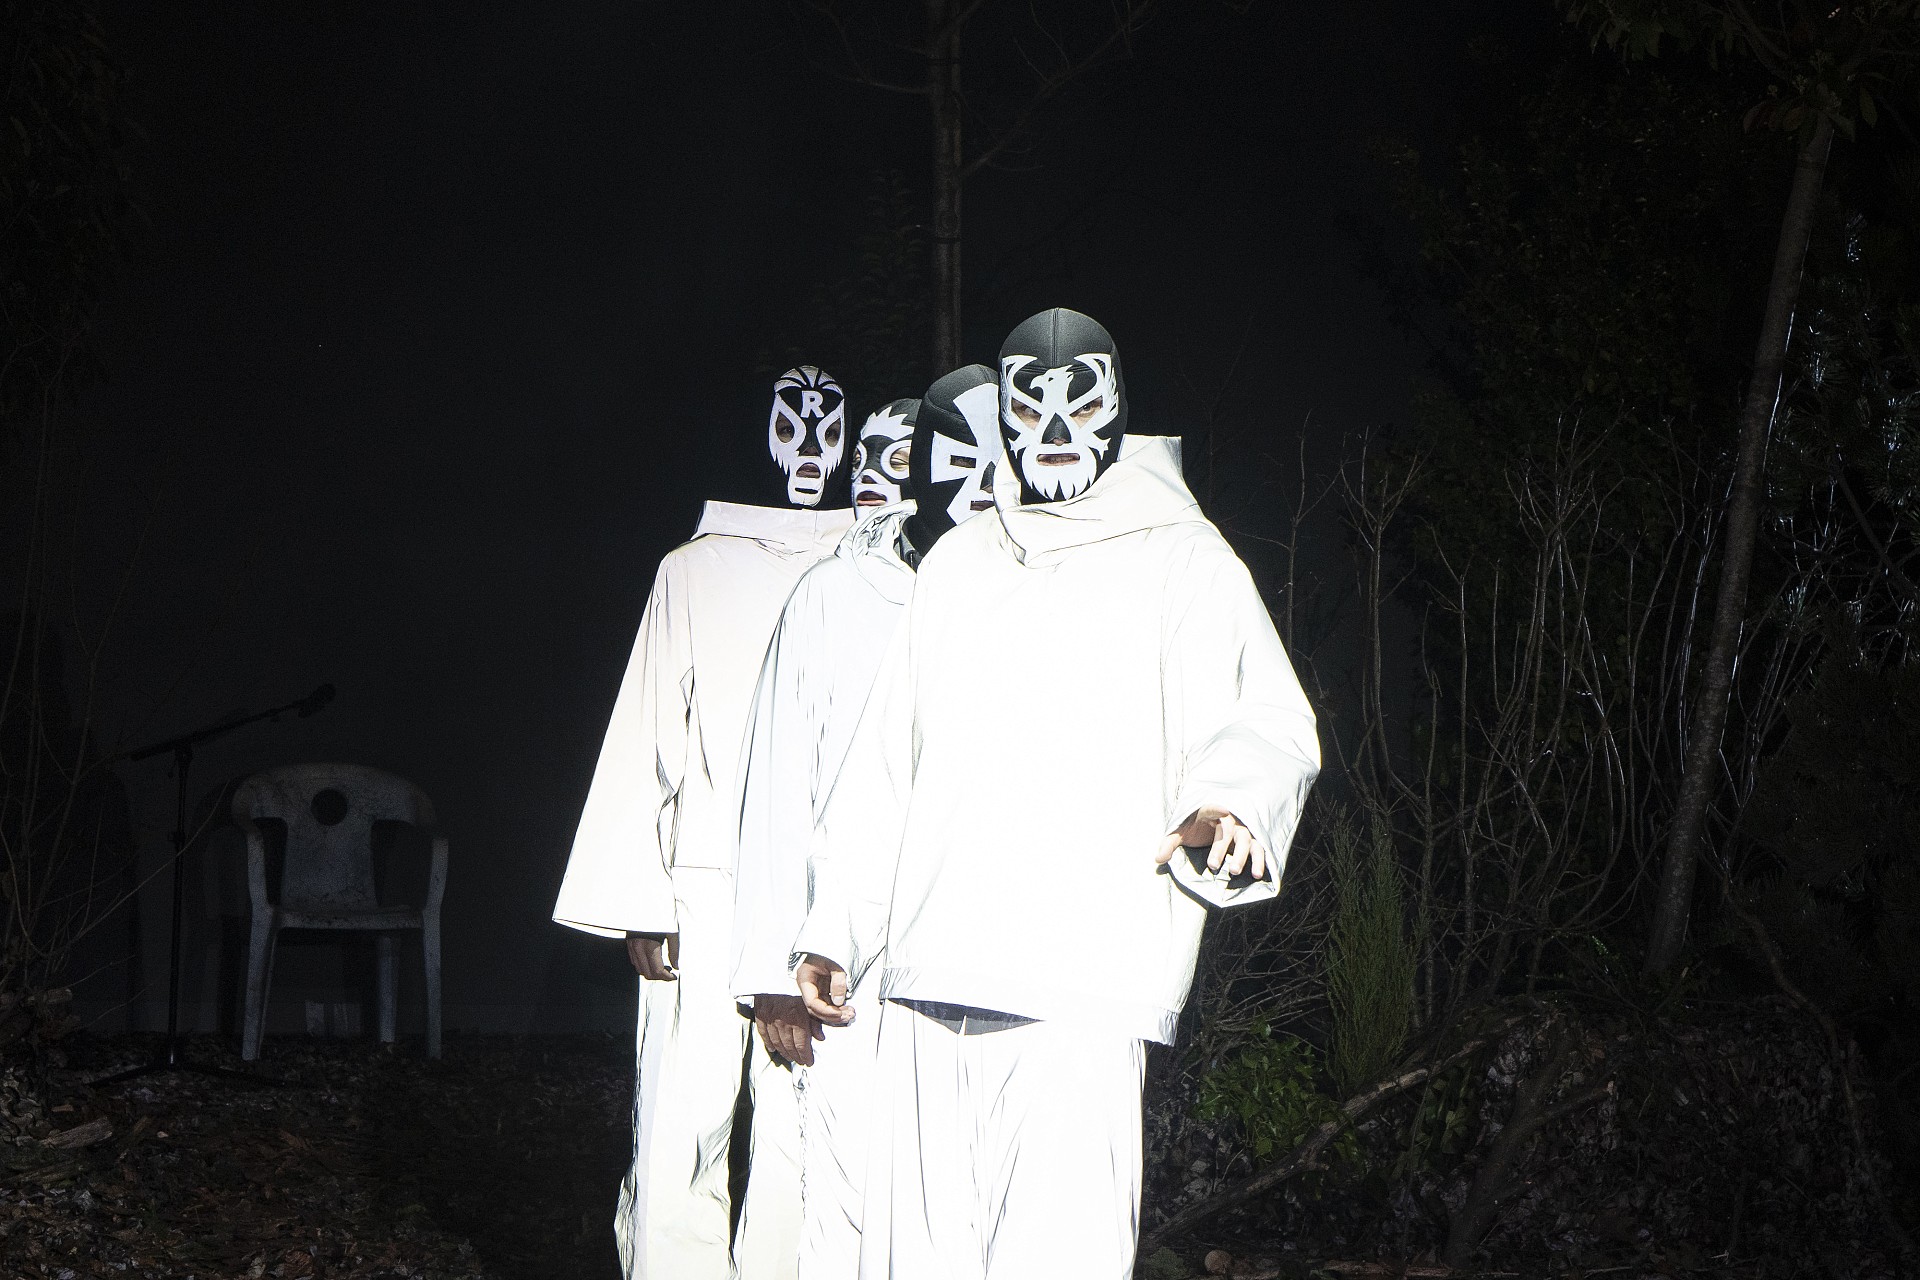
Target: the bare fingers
(1168, 847)
(1249, 855)
(798, 1045)
(823, 990)
(653, 957)
(1223, 830)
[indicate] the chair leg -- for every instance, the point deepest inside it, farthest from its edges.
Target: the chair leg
(386, 952)
(260, 946)
(430, 947)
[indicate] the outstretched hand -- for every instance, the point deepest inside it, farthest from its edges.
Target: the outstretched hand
(823, 990)
(1232, 847)
(786, 1028)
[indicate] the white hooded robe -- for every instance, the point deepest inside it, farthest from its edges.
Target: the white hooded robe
(1073, 679)
(654, 853)
(819, 668)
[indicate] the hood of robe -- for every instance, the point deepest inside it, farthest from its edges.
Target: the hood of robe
(1144, 489)
(872, 548)
(793, 529)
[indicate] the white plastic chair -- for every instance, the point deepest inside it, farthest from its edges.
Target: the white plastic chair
(327, 878)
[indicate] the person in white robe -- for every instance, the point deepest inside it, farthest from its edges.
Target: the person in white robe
(818, 671)
(1086, 734)
(653, 856)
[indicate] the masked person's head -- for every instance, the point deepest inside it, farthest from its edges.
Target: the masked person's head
(1063, 404)
(807, 431)
(880, 457)
(956, 444)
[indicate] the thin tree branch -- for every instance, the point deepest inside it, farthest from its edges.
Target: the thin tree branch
(1306, 1155)
(860, 74)
(1892, 570)
(951, 25)
(1052, 85)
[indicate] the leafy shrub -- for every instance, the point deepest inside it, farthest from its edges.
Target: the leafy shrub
(1267, 1090)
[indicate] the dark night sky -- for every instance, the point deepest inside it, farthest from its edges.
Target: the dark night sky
(419, 366)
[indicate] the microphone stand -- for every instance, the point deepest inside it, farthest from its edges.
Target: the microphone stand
(168, 1057)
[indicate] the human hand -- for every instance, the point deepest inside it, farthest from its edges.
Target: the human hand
(823, 990)
(786, 1028)
(655, 956)
(1232, 846)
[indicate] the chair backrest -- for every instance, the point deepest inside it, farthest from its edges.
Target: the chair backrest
(329, 811)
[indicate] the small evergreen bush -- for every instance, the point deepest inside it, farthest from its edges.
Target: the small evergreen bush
(1369, 958)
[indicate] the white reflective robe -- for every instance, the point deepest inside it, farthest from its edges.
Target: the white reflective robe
(654, 853)
(820, 665)
(1073, 679)
(819, 668)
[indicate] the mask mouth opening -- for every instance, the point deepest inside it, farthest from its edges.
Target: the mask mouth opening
(1058, 458)
(865, 497)
(807, 471)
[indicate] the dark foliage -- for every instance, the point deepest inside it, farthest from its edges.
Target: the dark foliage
(65, 193)
(1706, 1143)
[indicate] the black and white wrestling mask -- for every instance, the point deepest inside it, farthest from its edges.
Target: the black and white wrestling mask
(880, 459)
(955, 446)
(1063, 407)
(807, 431)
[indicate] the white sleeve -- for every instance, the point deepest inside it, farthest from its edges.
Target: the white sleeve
(781, 761)
(619, 876)
(1245, 729)
(856, 836)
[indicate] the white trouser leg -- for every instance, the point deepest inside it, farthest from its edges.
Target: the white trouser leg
(1015, 1154)
(837, 1103)
(674, 1215)
(768, 1244)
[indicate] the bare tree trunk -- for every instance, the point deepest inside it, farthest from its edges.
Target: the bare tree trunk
(943, 96)
(1743, 523)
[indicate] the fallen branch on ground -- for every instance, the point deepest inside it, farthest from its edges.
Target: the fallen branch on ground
(1305, 1156)
(1499, 1176)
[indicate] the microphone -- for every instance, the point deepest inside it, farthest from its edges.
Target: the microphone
(314, 701)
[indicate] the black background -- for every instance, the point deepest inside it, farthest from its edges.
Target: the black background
(443, 323)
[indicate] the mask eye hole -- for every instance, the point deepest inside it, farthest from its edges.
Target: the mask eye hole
(897, 460)
(859, 457)
(1084, 415)
(963, 461)
(784, 430)
(831, 436)
(1026, 413)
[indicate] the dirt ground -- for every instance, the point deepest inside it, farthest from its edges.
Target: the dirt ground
(1717, 1151)
(498, 1162)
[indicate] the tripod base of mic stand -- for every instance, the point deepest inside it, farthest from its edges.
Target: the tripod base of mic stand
(169, 1058)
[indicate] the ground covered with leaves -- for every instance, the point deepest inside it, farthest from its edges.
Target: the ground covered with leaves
(1713, 1144)
(1707, 1141)
(497, 1163)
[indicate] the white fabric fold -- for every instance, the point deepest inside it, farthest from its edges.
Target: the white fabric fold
(819, 667)
(664, 790)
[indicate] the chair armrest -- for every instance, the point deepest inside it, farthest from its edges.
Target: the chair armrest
(436, 876)
(256, 864)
